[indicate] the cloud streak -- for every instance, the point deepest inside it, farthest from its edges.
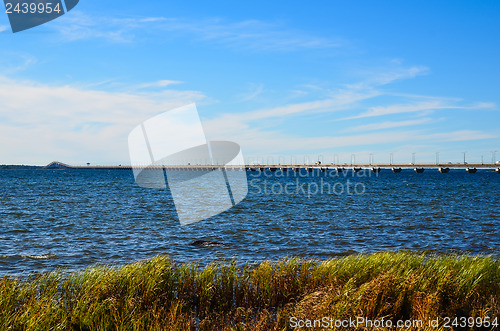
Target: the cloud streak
(389, 125)
(158, 84)
(71, 123)
(260, 131)
(249, 34)
(74, 123)
(417, 107)
(256, 91)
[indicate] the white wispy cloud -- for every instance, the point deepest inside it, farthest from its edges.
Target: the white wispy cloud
(387, 76)
(249, 34)
(12, 62)
(333, 101)
(235, 124)
(260, 131)
(80, 26)
(41, 122)
(255, 91)
(252, 34)
(4, 28)
(461, 135)
(71, 123)
(160, 83)
(423, 106)
(389, 125)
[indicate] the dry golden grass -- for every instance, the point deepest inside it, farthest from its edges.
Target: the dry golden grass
(159, 294)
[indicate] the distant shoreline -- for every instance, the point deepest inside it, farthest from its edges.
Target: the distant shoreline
(268, 168)
(18, 167)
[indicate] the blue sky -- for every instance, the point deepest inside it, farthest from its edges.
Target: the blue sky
(281, 78)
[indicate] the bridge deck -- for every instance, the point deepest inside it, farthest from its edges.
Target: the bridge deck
(57, 165)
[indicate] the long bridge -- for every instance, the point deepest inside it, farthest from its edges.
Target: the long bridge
(395, 167)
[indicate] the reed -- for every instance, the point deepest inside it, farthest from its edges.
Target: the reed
(159, 294)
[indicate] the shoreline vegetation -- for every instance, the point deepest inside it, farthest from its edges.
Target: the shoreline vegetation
(159, 294)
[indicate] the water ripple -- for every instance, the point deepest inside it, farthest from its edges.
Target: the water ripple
(88, 217)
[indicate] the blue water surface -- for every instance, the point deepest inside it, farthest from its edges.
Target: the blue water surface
(72, 219)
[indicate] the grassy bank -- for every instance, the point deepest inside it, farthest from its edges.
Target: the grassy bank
(158, 294)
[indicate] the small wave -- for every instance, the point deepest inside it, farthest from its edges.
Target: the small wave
(39, 257)
(20, 231)
(207, 243)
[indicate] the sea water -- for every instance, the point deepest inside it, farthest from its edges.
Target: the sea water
(72, 219)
